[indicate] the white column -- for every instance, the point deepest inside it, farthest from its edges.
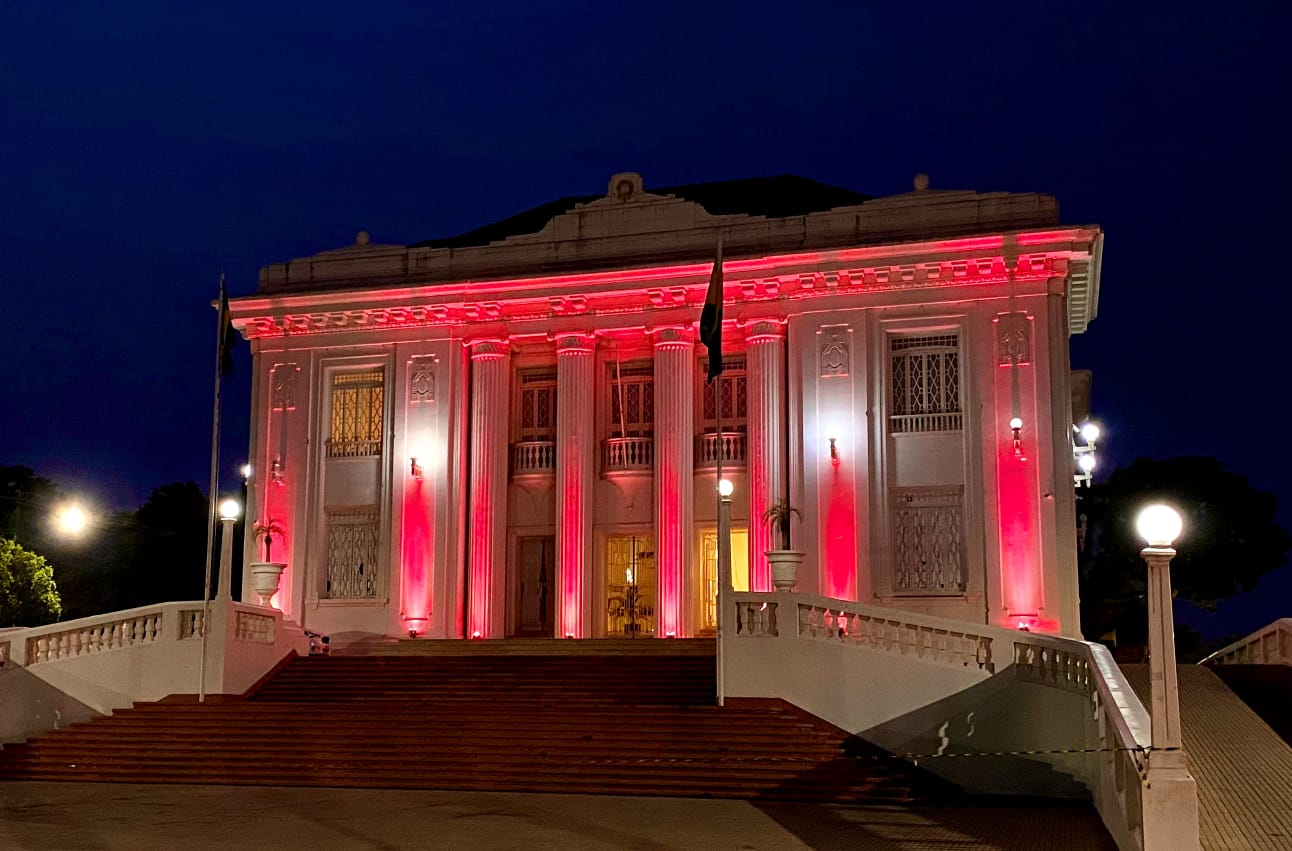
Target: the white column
(765, 367)
(575, 457)
(487, 559)
(674, 462)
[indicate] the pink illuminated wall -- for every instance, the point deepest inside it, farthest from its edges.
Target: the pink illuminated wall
(415, 556)
(840, 571)
(1018, 492)
(277, 480)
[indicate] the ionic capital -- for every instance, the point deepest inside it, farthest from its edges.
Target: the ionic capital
(487, 348)
(672, 336)
(764, 330)
(574, 343)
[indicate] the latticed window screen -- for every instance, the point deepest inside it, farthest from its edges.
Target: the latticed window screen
(925, 389)
(352, 553)
(632, 401)
(735, 398)
(928, 526)
(357, 406)
(537, 406)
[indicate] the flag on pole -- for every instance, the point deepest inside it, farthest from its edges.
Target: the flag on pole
(711, 316)
(228, 336)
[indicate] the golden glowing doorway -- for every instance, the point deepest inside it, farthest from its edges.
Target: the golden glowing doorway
(630, 586)
(709, 574)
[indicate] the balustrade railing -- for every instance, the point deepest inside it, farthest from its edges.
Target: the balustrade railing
(729, 446)
(355, 448)
(627, 454)
(1270, 645)
(252, 626)
(850, 624)
(140, 627)
(533, 457)
(1117, 728)
(917, 423)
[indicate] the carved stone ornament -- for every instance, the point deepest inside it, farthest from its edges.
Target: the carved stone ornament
(625, 187)
(1013, 338)
(834, 351)
(421, 379)
(284, 386)
(575, 343)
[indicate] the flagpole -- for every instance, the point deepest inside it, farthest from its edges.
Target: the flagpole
(724, 542)
(215, 474)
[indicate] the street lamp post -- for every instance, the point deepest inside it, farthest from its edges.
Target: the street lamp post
(1171, 801)
(725, 489)
(230, 510)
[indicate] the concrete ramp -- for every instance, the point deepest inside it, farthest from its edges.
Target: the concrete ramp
(1242, 767)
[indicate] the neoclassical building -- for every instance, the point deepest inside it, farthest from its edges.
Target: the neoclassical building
(509, 432)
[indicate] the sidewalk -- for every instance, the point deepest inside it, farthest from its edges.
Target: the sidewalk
(107, 817)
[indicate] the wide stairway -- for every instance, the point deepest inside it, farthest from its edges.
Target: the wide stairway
(638, 722)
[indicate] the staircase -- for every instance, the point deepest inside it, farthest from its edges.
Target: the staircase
(560, 718)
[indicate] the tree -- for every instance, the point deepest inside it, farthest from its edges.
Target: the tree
(28, 596)
(1230, 540)
(25, 502)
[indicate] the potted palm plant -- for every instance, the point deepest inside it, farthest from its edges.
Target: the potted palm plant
(265, 575)
(784, 560)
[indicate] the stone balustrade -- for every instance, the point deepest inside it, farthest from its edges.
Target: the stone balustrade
(628, 454)
(533, 457)
(1270, 645)
(729, 446)
(254, 626)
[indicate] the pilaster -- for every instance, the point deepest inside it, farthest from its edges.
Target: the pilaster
(674, 463)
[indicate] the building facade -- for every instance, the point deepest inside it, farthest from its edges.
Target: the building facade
(510, 433)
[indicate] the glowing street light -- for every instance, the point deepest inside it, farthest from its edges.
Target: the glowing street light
(71, 520)
(230, 511)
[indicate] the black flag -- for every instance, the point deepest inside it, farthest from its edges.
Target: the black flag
(711, 317)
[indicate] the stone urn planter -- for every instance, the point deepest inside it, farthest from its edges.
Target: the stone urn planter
(784, 561)
(785, 568)
(264, 579)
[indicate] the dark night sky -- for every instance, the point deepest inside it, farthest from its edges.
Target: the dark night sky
(143, 145)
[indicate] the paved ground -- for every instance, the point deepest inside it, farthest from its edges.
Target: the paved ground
(106, 817)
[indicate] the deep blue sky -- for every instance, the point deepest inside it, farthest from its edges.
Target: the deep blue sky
(143, 145)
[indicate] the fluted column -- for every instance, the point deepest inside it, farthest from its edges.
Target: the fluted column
(487, 561)
(765, 365)
(575, 448)
(674, 460)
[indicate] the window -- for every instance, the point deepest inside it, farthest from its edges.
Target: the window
(928, 530)
(925, 383)
(358, 403)
(351, 553)
(735, 399)
(536, 407)
(632, 400)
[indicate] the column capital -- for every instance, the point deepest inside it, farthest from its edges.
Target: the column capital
(574, 342)
(487, 348)
(763, 330)
(672, 336)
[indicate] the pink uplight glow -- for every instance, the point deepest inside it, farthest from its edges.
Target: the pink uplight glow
(840, 537)
(415, 552)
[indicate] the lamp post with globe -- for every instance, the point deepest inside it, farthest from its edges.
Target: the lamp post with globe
(1171, 800)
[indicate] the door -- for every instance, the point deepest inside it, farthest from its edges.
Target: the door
(535, 600)
(630, 586)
